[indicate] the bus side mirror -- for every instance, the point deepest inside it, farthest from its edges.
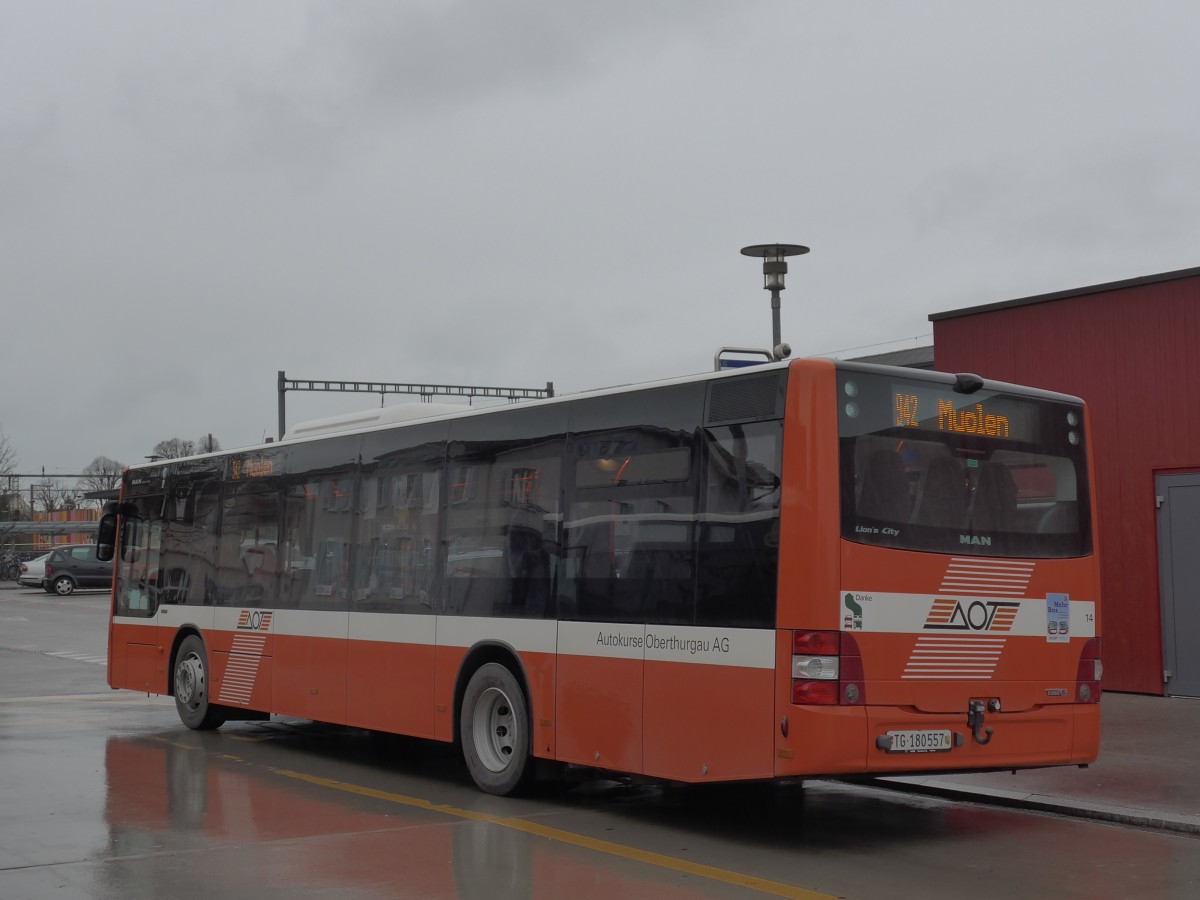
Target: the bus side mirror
(106, 536)
(106, 530)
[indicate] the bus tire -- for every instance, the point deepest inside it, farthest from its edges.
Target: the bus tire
(495, 731)
(191, 687)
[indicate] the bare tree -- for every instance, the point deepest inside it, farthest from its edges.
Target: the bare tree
(101, 474)
(52, 495)
(8, 456)
(8, 462)
(173, 448)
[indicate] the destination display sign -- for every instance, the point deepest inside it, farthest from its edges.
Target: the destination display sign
(982, 414)
(871, 403)
(244, 468)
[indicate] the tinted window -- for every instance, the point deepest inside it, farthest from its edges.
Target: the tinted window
(630, 558)
(607, 463)
(318, 547)
(989, 473)
(189, 527)
(398, 529)
(137, 567)
(503, 513)
(673, 409)
(738, 561)
(631, 541)
(247, 551)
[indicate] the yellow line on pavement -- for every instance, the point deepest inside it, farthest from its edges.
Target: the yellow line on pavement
(726, 876)
(387, 795)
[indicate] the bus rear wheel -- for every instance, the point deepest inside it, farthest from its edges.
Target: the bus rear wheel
(494, 725)
(191, 687)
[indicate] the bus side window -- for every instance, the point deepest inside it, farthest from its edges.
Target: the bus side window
(249, 525)
(137, 594)
(632, 527)
(186, 572)
(501, 532)
(322, 517)
(737, 566)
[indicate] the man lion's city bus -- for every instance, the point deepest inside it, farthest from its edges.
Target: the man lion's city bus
(811, 568)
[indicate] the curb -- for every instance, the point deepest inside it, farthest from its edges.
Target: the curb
(1080, 809)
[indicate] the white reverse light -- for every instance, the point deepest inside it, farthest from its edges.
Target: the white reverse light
(815, 668)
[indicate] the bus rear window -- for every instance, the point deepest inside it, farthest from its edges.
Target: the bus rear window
(989, 473)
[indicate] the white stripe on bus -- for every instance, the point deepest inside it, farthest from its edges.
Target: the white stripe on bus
(752, 648)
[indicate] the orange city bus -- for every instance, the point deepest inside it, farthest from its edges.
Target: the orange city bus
(809, 568)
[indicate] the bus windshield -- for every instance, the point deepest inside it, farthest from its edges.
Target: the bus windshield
(990, 473)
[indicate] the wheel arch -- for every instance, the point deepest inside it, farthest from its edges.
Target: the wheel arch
(478, 656)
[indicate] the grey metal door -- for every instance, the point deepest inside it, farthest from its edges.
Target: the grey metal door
(1179, 580)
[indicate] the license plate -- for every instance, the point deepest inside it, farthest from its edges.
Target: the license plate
(919, 741)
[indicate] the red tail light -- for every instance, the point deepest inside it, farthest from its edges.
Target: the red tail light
(827, 669)
(1090, 673)
(49, 570)
(815, 643)
(814, 693)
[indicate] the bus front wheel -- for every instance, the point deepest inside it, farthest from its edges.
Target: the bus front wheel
(191, 687)
(494, 725)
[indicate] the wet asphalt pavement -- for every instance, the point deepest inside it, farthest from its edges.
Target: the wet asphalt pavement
(104, 794)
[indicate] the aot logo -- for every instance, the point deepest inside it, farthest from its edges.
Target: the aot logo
(254, 620)
(977, 615)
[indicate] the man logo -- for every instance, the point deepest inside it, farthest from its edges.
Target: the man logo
(978, 615)
(975, 540)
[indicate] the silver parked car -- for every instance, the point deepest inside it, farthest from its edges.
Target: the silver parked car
(32, 571)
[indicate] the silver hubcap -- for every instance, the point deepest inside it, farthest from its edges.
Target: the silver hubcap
(189, 681)
(495, 730)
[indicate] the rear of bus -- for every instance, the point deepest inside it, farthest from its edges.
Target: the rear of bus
(939, 588)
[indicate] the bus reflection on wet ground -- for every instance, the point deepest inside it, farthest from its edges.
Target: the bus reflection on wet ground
(180, 816)
(300, 810)
(303, 810)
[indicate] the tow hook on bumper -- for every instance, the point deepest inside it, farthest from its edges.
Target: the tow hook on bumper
(976, 713)
(975, 710)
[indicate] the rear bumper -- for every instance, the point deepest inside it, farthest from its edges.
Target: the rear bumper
(839, 741)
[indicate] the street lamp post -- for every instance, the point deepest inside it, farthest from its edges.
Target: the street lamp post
(774, 257)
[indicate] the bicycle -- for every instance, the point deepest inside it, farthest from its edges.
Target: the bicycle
(10, 567)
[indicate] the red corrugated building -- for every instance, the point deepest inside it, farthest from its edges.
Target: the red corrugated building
(1131, 349)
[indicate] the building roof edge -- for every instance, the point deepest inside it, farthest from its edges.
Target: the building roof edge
(1073, 292)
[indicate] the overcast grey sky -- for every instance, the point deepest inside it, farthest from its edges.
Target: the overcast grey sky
(194, 196)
